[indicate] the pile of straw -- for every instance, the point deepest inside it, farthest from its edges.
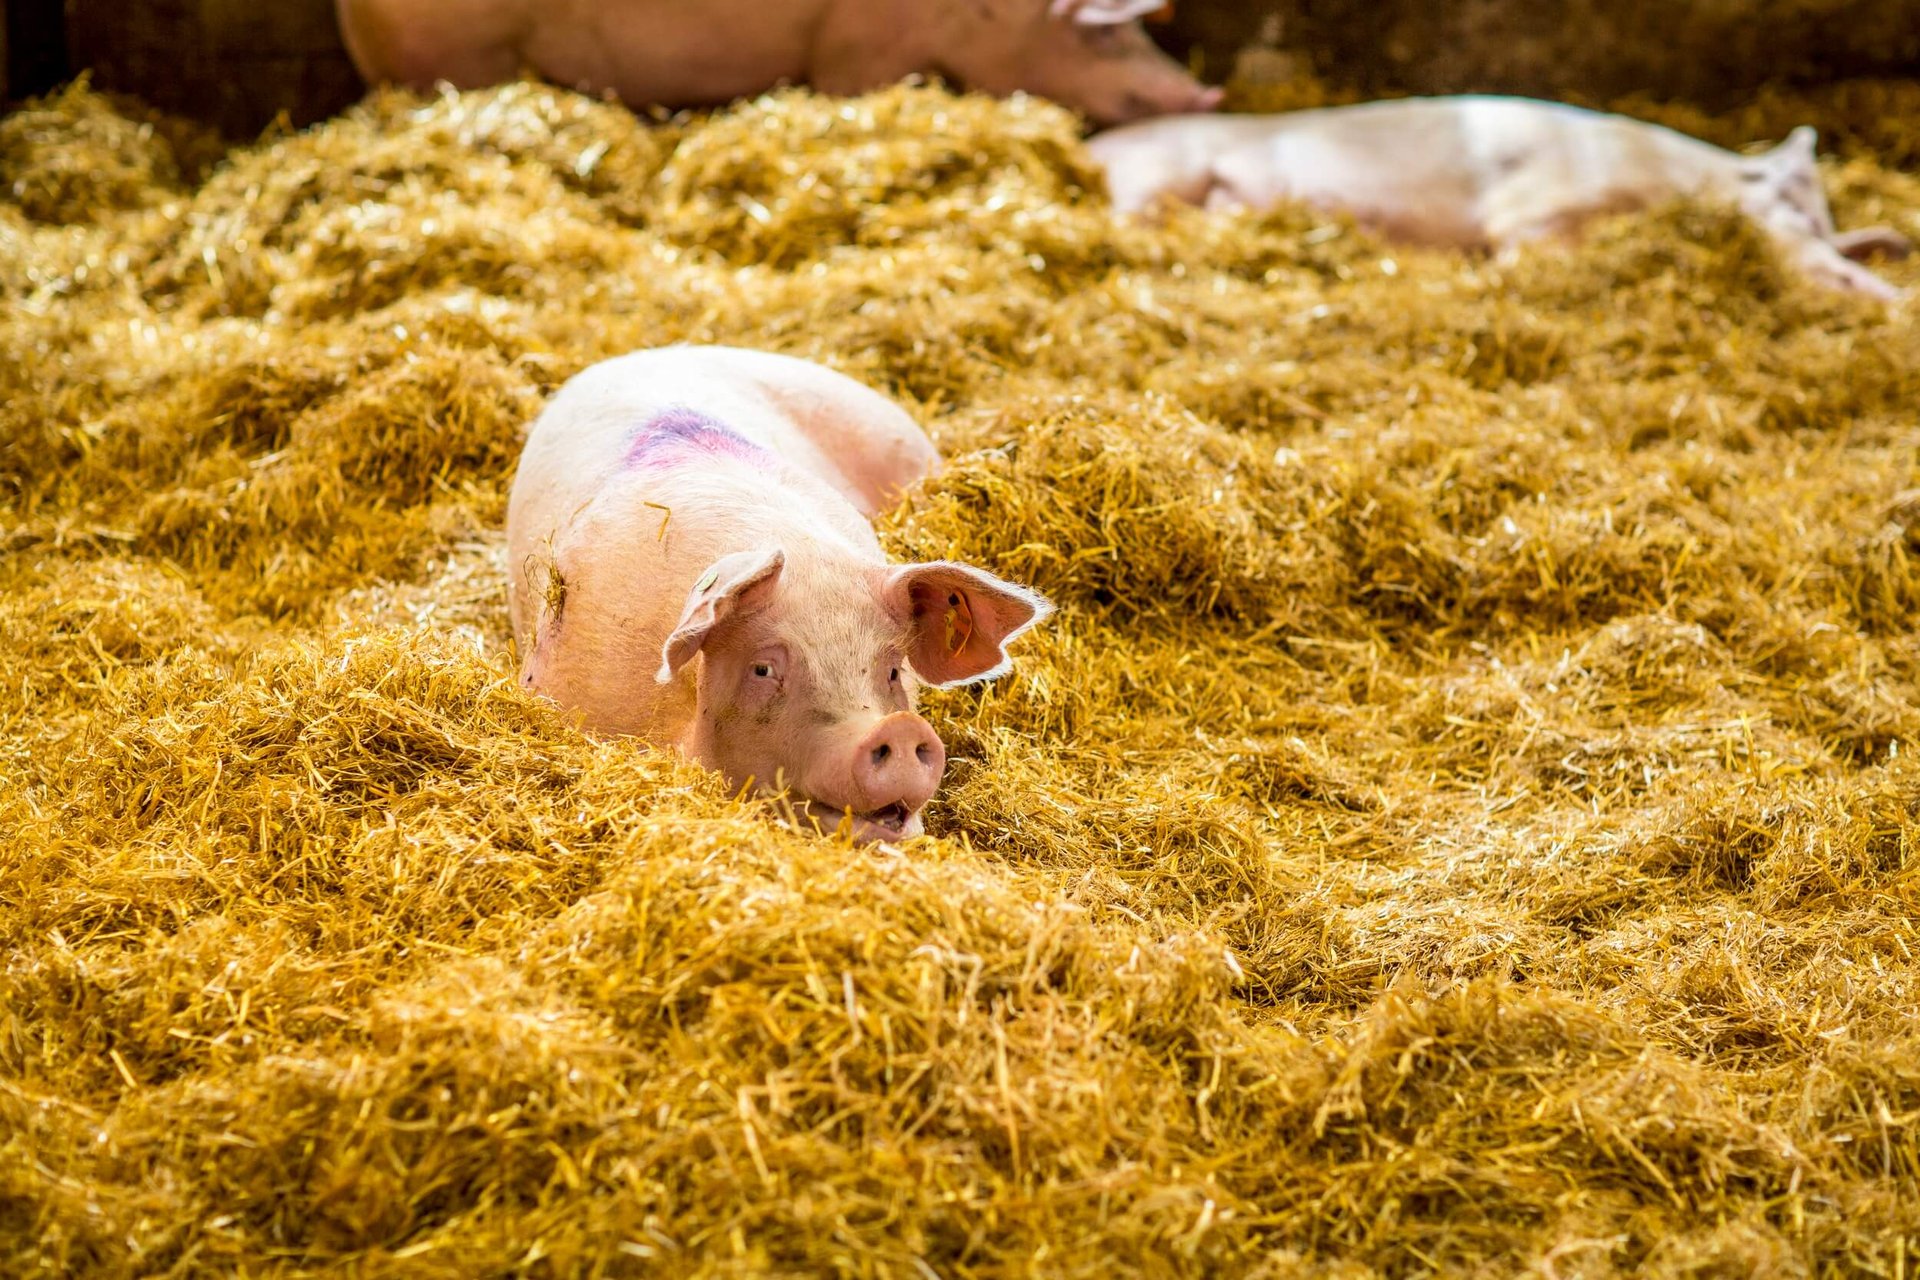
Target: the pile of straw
(1463, 818)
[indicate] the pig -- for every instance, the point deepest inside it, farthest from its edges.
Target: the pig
(1092, 55)
(1482, 172)
(692, 562)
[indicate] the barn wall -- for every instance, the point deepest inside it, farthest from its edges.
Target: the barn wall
(233, 63)
(1712, 52)
(32, 50)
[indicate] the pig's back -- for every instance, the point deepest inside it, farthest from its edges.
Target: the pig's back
(1455, 170)
(1413, 168)
(646, 51)
(835, 427)
(715, 435)
(702, 406)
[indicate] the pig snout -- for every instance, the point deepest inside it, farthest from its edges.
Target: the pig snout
(1123, 78)
(882, 777)
(1177, 96)
(899, 762)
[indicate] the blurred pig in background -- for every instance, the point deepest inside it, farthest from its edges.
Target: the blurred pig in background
(1091, 55)
(1484, 172)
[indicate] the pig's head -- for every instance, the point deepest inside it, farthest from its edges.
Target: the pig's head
(1781, 191)
(808, 669)
(1781, 188)
(1092, 55)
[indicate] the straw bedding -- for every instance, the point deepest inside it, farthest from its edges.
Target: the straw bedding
(1463, 819)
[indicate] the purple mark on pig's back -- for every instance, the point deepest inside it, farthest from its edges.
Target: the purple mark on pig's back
(677, 436)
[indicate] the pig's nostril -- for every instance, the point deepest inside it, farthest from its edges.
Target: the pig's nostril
(920, 753)
(881, 752)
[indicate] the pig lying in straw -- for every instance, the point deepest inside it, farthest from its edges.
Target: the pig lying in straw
(1092, 55)
(692, 563)
(1482, 172)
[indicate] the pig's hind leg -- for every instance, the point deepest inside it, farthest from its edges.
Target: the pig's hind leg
(1240, 179)
(873, 448)
(1865, 242)
(1823, 263)
(419, 42)
(1513, 215)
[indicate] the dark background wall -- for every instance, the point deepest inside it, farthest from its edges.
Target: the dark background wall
(1711, 52)
(238, 63)
(235, 64)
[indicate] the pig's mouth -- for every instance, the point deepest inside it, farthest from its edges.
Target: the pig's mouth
(890, 822)
(893, 818)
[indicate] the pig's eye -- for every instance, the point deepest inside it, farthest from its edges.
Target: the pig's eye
(893, 676)
(764, 670)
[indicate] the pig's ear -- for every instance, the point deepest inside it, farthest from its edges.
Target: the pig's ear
(732, 586)
(1797, 157)
(960, 619)
(1105, 13)
(1787, 180)
(1802, 145)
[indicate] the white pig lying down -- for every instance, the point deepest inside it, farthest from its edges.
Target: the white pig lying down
(1092, 55)
(1482, 172)
(692, 563)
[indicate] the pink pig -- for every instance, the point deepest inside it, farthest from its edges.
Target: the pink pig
(1092, 55)
(691, 562)
(1482, 172)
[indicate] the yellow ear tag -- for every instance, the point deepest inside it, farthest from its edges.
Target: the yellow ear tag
(707, 580)
(959, 623)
